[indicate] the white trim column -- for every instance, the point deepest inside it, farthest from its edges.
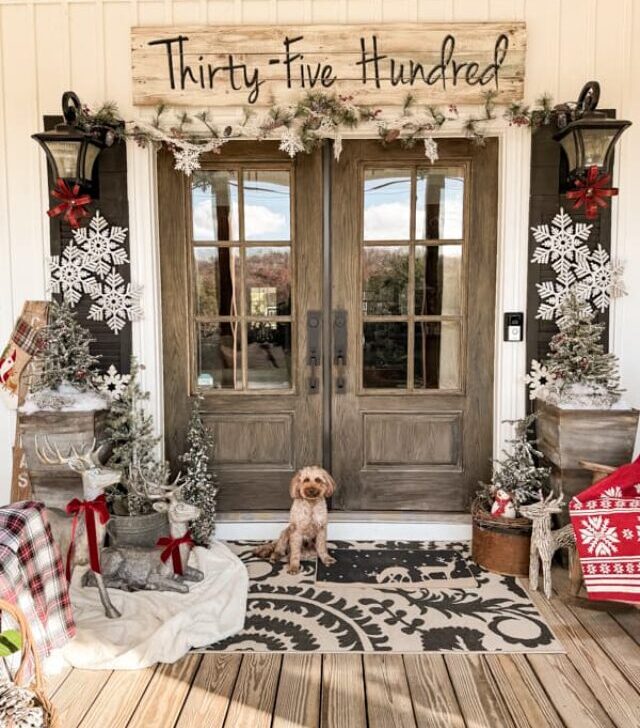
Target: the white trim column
(145, 271)
(511, 280)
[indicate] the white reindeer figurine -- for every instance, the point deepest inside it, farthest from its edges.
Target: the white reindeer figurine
(545, 541)
(135, 568)
(95, 478)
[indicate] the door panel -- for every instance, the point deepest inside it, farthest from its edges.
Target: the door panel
(413, 276)
(241, 266)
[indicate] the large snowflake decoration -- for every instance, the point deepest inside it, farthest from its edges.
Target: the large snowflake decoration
(69, 275)
(116, 303)
(101, 245)
(113, 383)
(599, 536)
(553, 295)
(562, 244)
(600, 279)
(187, 159)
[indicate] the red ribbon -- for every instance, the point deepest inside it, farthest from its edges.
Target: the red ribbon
(172, 548)
(90, 509)
(592, 192)
(72, 205)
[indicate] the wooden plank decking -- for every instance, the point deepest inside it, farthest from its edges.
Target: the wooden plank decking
(595, 685)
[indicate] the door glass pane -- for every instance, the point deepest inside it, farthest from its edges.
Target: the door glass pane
(387, 205)
(440, 204)
(267, 276)
(267, 205)
(385, 280)
(438, 286)
(385, 355)
(219, 359)
(269, 355)
(437, 355)
(214, 205)
(217, 273)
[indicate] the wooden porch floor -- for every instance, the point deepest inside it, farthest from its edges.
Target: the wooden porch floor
(595, 685)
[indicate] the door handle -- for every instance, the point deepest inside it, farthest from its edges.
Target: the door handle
(340, 349)
(314, 349)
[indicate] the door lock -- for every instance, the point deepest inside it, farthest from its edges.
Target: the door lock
(314, 349)
(340, 349)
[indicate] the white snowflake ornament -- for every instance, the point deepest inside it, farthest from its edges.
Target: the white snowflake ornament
(187, 159)
(116, 302)
(539, 380)
(600, 279)
(69, 275)
(431, 149)
(290, 143)
(562, 244)
(113, 383)
(101, 245)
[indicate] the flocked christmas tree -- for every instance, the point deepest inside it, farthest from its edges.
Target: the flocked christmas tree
(200, 484)
(65, 357)
(519, 472)
(580, 369)
(130, 430)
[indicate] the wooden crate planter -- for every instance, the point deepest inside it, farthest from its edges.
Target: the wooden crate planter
(56, 485)
(500, 544)
(566, 437)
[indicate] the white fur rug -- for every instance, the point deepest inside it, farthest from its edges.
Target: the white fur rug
(159, 626)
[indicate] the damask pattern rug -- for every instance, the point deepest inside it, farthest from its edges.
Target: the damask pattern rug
(294, 613)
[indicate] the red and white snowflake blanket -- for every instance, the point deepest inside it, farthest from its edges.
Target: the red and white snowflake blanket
(606, 521)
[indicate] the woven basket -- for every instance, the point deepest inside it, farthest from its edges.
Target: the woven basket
(500, 544)
(30, 654)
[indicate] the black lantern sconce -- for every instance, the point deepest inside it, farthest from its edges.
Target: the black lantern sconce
(587, 136)
(73, 149)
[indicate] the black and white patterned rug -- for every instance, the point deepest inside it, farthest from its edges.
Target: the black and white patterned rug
(292, 613)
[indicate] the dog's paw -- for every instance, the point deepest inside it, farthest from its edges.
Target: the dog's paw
(293, 569)
(327, 560)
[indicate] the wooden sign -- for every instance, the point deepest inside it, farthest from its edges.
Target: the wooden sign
(377, 64)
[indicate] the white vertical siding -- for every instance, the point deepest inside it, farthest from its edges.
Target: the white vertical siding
(48, 46)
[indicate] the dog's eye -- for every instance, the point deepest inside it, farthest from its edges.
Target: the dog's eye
(318, 480)
(306, 480)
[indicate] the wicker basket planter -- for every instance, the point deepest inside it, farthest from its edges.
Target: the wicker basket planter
(500, 544)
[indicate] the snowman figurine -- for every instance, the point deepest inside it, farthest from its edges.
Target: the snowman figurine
(503, 506)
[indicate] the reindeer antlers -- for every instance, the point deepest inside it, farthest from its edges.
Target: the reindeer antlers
(156, 491)
(80, 459)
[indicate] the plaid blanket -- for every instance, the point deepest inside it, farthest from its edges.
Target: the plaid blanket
(32, 575)
(606, 521)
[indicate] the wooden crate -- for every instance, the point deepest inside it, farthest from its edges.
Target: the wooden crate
(567, 437)
(56, 485)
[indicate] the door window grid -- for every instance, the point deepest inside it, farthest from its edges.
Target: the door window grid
(254, 328)
(417, 326)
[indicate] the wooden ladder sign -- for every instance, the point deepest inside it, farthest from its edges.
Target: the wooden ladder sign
(453, 63)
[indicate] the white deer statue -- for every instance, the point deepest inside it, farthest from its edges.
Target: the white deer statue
(545, 541)
(135, 568)
(95, 478)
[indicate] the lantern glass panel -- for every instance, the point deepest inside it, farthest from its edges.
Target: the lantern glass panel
(65, 154)
(90, 157)
(596, 144)
(570, 145)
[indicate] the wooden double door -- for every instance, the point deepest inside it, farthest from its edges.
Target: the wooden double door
(339, 314)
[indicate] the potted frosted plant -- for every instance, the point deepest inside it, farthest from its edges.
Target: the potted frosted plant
(129, 430)
(501, 536)
(63, 404)
(577, 398)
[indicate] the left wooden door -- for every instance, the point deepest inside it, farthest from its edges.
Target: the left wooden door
(241, 278)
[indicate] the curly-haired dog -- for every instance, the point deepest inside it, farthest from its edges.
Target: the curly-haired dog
(310, 487)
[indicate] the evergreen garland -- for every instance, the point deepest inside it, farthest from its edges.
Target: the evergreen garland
(64, 357)
(130, 431)
(200, 484)
(518, 472)
(577, 361)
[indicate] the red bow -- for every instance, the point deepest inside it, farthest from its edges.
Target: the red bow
(592, 192)
(502, 505)
(72, 205)
(90, 508)
(172, 548)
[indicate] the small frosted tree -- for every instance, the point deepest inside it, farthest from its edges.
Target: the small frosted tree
(130, 431)
(200, 484)
(577, 361)
(65, 357)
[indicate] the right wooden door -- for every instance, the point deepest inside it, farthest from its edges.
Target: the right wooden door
(413, 307)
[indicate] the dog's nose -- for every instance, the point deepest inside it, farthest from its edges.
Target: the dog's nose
(313, 492)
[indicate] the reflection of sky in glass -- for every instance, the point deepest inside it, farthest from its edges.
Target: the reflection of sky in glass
(387, 212)
(443, 192)
(203, 201)
(267, 205)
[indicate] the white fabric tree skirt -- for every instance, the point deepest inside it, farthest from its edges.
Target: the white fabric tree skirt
(158, 626)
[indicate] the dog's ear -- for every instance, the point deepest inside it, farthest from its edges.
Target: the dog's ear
(294, 486)
(331, 484)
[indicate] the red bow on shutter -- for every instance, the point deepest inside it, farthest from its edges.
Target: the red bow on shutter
(592, 192)
(172, 548)
(73, 203)
(90, 509)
